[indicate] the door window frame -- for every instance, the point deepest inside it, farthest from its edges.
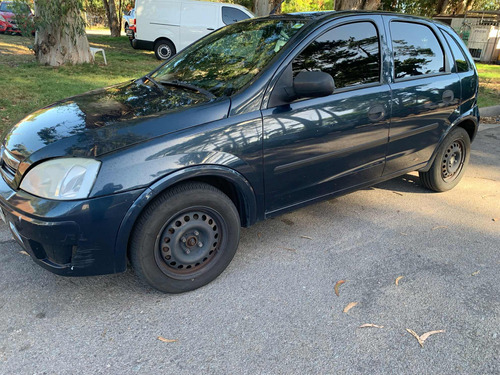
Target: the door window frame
(442, 43)
(313, 36)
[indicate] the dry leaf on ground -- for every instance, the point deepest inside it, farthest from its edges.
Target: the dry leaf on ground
(307, 237)
(398, 279)
(337, 285)
(161, 338)
(495, 219)
(370, 325)
(350, 306)
(475, 273)
(424, 336)
(23, 252)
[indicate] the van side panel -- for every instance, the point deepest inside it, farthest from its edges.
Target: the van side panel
(197, 20)
(158, 19)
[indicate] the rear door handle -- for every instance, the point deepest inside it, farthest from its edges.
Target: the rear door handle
(376, 113)
(448, 96)
(209, 28)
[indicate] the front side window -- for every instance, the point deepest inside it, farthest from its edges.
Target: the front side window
(231, 57)
(416, 50)
(349, 53)
(461, 64)
(233, 15)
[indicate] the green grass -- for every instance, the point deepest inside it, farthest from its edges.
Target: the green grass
(489, 84)
(27, 86)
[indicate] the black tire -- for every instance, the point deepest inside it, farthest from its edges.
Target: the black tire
(450, 163)
(185, 238)
(164, 49)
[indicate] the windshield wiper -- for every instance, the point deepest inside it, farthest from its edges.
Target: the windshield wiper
(188, 86)
(154, 82)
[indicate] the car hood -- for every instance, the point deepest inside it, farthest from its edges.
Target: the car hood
(7, 15)
(105, 120)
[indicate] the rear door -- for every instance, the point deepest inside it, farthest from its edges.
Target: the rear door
(425, 93)
(313, 147)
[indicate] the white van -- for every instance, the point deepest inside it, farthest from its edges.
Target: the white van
(168, 26)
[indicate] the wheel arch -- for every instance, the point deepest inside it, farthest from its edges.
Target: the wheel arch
(229, 181)
(469, 123)
(167, 39)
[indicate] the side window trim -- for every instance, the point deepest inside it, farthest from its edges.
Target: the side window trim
(446, 62)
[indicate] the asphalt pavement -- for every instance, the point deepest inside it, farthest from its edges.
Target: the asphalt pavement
(274, 310)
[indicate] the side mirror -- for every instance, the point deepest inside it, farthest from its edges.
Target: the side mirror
(313, 84)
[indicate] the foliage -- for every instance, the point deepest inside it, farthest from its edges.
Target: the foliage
(53, 13)
(290, 6)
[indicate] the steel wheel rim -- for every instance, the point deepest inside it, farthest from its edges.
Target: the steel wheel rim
(190, 242)
(164, 51)
(453, 160)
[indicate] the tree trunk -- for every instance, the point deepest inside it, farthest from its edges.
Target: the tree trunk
(114, 26)
(261, 7)
(441, 6)
(357, 4)
(55, 46)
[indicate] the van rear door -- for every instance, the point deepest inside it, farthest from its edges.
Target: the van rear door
(197, 20)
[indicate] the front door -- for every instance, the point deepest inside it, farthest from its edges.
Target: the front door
(313, 147)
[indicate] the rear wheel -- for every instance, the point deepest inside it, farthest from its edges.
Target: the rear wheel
(185, 238)
(164, 49)
(450, 163)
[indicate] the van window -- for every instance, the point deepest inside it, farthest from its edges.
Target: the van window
(416, 50)
(232, 15)
(461, 64)
(349, 53)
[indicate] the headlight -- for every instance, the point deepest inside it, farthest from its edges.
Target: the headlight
(62, 179)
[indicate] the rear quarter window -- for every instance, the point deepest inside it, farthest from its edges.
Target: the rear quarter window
(461, 64)
(416, 50)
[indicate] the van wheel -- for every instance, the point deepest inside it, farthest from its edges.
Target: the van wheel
(164, 49)
(451, 161)
(185, 238)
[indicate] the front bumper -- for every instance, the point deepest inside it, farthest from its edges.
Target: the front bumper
(71, 238)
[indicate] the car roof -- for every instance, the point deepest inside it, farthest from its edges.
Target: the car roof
(320, 16)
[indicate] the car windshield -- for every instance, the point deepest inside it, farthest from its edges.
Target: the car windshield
(228, 59)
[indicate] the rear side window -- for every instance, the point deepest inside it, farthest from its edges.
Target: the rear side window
(461, 64)
(349, 53)
(232, 15)
(416, 50)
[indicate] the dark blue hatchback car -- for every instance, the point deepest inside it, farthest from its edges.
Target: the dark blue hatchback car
(258, 118)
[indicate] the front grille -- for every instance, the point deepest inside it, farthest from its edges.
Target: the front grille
(8, 165)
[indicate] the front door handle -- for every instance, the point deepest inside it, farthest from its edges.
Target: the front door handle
(209, 28)
(376, 113)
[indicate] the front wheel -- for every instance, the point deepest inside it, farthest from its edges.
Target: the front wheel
(164, 49)
(450, 163)
(185, 238)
